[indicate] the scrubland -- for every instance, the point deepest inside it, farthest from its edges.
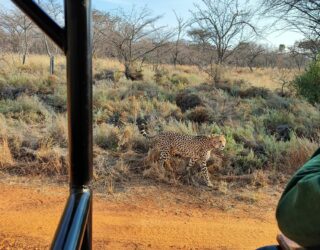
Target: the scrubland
(247, 107)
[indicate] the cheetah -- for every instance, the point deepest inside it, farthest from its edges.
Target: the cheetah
(196, 148)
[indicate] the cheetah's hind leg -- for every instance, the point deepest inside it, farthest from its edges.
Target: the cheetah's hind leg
(190, 173)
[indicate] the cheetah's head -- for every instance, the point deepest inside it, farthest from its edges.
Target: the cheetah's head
(218, 141)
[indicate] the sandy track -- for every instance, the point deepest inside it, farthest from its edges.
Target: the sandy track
(29, 216)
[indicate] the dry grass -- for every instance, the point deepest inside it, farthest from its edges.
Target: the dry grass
(5, 154)
(58, 130)
(100, 64)
(260, 77)
(297, 155)
(33, 124)
(38, 64)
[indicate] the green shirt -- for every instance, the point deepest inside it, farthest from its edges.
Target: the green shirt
(298, 211)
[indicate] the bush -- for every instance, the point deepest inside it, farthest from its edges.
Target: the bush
(247, 163)
(308, 84)
(57, 101)
(58, 130)
(275, 101)
(199, 115)
(255, 92)
(160, 75)
(231, 88)
(105, 75)
(11, 92)
(187, 101)
(275, 118)
(133, 74)
(27, 108)
(106, 137)
(178, 79)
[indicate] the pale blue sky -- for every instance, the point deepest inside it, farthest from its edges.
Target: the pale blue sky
(182, 7)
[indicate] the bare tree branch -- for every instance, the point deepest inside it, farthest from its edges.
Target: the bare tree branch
(134, 35)
(222, 24)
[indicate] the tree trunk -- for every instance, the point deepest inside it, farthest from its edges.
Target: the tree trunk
(127, 70)
(132, 73)
(51, 69)
(175, 61)
(24, 58)
(51, 65)
(25, 49)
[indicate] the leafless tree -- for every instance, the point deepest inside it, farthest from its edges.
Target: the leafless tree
(103, 28)
(222, 23)
(284, 77)
(245, 53)
(300, 15)
(55, 10)
(298, 55)
(4, 41)
(135, 35)
(202, 54)
(180, 32)
(19, 26)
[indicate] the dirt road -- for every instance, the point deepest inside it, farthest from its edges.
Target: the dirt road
(29, 215)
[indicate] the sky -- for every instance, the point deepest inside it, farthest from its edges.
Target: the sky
(182, 8)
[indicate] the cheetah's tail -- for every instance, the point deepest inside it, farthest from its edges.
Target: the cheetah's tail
(143, 129)
(144, 132)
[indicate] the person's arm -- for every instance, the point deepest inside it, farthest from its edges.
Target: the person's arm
(298, 211)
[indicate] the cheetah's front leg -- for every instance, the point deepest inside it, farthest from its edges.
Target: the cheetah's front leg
(164, 156)
(205, 174)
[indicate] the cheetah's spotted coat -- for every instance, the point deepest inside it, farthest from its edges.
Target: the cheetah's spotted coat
(197, 148)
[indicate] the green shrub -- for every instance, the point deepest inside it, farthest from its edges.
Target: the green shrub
(106, 137)
(275, 118)
(308, 84)
(57, 100)
(148, 90)
(247, 163)
(178, 79)
(160, 76)
(231, 88)
(58, 130)
(274, 101)
(255, 92)
(27, 108)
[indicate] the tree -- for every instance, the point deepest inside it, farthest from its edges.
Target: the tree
(134, 35)
(246, 53)
(55, 10)
(180, 32)
(282, 48)
(309, 48)
(203, 54)
(19, 26)
(299, 15)
(103, 28)
(298, 55)
(222, 24)
(308, 84)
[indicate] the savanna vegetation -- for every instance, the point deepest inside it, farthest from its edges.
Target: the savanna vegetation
(270, 131)
(197, 78)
